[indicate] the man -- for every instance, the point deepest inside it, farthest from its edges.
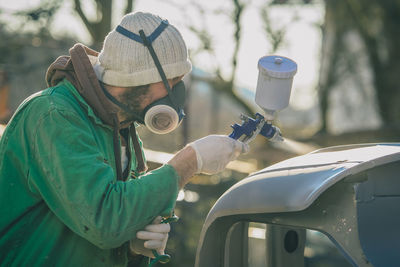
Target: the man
(74, 190)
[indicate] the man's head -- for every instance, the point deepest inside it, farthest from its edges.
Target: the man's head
(141, 60)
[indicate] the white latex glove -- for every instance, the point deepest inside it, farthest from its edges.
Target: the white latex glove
(154, 236)
(214, 152)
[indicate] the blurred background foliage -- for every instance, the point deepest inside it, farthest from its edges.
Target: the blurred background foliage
(357, 93)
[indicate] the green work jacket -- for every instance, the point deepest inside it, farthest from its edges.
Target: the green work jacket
(60, 202)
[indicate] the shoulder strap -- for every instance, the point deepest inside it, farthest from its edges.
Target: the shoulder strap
(141, 166)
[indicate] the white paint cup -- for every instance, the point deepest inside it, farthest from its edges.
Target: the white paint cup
(274, 83)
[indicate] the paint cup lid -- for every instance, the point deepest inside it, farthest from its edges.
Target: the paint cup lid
(277, 67)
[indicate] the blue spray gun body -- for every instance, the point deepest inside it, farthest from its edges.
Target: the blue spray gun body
(250, 128)
(274, 85)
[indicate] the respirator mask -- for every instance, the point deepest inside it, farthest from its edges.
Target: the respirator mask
(165, 114)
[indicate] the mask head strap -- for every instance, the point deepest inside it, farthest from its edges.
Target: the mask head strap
(137, 38)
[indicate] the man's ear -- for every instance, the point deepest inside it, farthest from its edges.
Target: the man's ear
(177, 79)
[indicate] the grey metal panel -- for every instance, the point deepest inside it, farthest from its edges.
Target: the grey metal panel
(276, 253)
(352, 146)
(333, 214)
(378, 215)
(379, 232)
(280, 191)
(236, 256)
(293, 184)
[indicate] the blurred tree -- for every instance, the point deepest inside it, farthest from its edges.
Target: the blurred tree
(41, 16)
(376, 23)
(219, 83)
(330, 48)
(100, 27)
(225, 84)
(27, 49)
(275, 34)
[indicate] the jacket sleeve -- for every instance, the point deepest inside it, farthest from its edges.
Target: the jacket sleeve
(70, 174)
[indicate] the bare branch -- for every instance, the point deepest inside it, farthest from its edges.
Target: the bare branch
(276, 37)
(236, 16)
(89, 25)
(129, 6)
(106, 14)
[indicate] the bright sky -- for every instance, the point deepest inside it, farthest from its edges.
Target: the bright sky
(302, 42)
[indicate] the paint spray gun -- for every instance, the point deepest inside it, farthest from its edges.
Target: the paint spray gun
(274, 85)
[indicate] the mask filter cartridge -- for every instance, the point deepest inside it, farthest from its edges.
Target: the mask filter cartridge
(161, 119)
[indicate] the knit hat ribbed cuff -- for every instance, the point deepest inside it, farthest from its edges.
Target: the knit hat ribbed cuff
(117, 78)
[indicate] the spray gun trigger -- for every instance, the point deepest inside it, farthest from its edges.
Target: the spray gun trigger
(244, 118)
(258, 129)
(250, 128)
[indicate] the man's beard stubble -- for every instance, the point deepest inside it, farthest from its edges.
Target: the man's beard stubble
(133, 97)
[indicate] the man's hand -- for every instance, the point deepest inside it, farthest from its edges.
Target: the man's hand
(154, 236)
(214, 152)
(207, 155)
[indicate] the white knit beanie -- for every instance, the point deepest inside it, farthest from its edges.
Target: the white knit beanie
(124, 62)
